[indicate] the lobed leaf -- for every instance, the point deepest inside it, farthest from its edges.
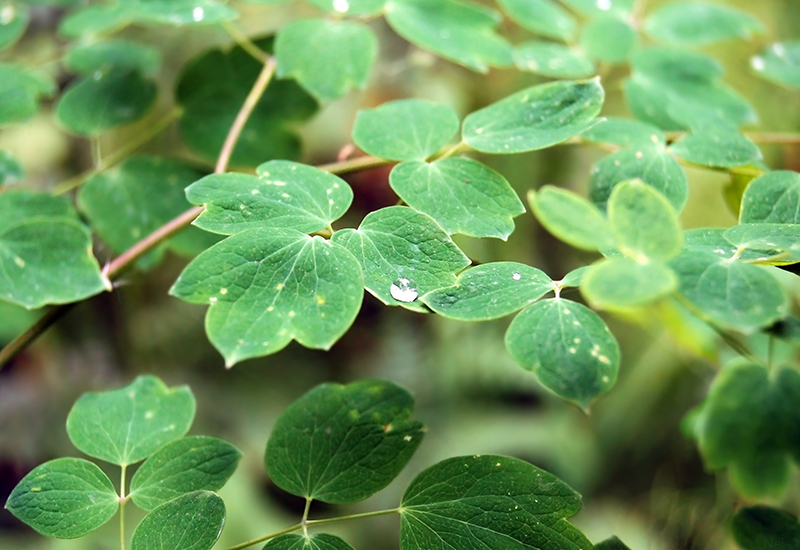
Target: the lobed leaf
(699, 23)
(322, 541)
(571, 218)
(553, 60)
(129, 424)
(342, 444)
(773, 197)
(544, 17)
(192, 521)
(779, 63)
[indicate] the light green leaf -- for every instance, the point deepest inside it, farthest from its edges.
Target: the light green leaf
(20, 92)
(180, 12)
(111, 54)
(779, 63)
(711, 240)
(489, 291)
(188, 464)
(643, 222)
(622, 283)
(574, 277)
(407, 129)
(543, 17)
(568, 348)
(608, 39)
(699, 23)
(772, 198)
(211, 90)
(269, 286)
(127, 425)
(489, 502)
(327, 58)
(105, 100)
(322, 541)
(462, 32)
(780, 241)
(720, 146)
(346, 7)
(342, 444)
(651, 164)
(192, 521)
(732, 294)
(95, 20)
(594, 8)
(65, 498)
(625, 133)
(45, 252)
(758, 527)
(404, 254)
(284, 194)
(461, 194)
(748, 425)
(11, 171)
(535, 118)
(571, 218)
(130, 201)
(13, 22)
(553, 60)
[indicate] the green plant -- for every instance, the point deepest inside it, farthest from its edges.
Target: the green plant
(275, 262)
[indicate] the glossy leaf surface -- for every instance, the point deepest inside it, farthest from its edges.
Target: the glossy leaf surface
(571, 218)
(322, 541)
(699, 23)
(779, 63)
(129, 424)
(343, 443)
(192, 521)
(544, 17)
(772, 198)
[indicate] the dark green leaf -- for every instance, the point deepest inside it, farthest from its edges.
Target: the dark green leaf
(699, 23)
(13, 22)
(622, 283)
(94, 20)
(268, 286)
(188, 464)
(772, 198)
(284, 194)
(180, 12)
(608, 39)
(313, 542)
(461, 194)
(343, 443)
(20, 92)
(568, 347)
(780, 63)
(65, 498)
(535, 118)
(571, 218)
(211, 91)
(11, 171)
(760, 527)
(611, 544)
(346, 7)
(404, 254)
(190, 522)
(113, 54)
(717, 146)
(490, 291)
(45, 252)
(408, 129)
(553, 60)
(489, 502)
(127, 425)
(624, 132)
(459, 31)
(544, 17)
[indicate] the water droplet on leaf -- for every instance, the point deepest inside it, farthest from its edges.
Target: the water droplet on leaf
(403, 291)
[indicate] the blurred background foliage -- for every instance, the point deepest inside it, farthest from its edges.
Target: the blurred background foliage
(640, 476)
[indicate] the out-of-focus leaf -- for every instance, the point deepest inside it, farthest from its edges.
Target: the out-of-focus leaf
(180, 12)
(94, 20)
(608, 39)
(14, 20)
(717, 146)
(20, 92)
(571, 218)
(698, 23)
(553, 60)
(322, 541)
(624, 132)
(758, 527)
(345, 7)
(773, 197)
(779, 63)
(622, 283)
(594, 8)
(115, 53)
(11, 170)
(544, 17)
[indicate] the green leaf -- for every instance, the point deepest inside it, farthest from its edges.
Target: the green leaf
(106, 100)
(346, 7)
(489, 502)
(130, 201)
(188, 464)
(95, 20)
(322, 541)
(625, 133)
(595, 8)
(611, 544)
(461, 194)
(732, 294)
(568, 348)
(404, 254)
(699, 23)
(111, 54)
(622, 283)
(127, 425)
(269, 286)
(211, 90)
(543, 17)
(459, 31)
(45, 252)
(327, 58)
(20, 92)
(408, 129)
(720, 146)
(13, 22)
(342, 444)
(489, 291)
(758, 527)
(772, 198)
(535, 118)
(779, 63)
(651, 164)
(65, 498)
(11, 171)
(608, 39)
(781, 242)
(643, 222)
(712, 240)
(574, 277)
(192, 521)
(284, 194)
(180, 12)
(571, 218)
(553, 60)
(14, 320)
(748, 424)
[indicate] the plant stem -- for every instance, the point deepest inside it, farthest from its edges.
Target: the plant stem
(245, 43)
(354, 165)
(122, 500)
(304, 521)
(286, 531)
(314, 522)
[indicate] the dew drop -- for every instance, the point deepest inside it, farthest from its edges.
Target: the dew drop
(198, 13)
(403, 291)
(341, 5)
(516, 276)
